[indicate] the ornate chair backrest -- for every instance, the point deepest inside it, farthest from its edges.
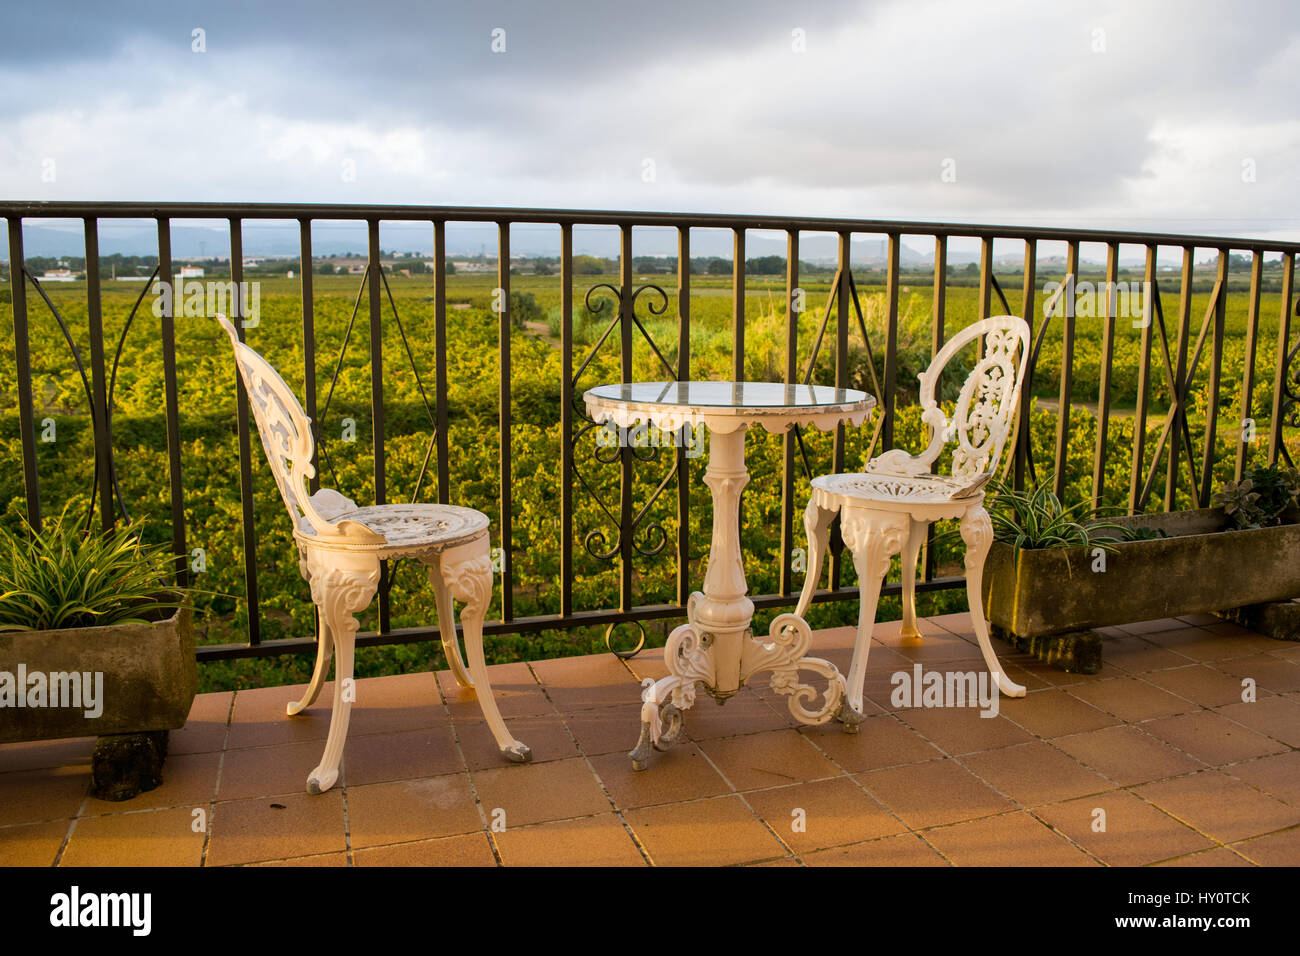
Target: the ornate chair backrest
(989, 401)
(285, 430)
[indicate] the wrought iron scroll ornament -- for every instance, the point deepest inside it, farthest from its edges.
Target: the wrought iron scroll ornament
(1290, 407)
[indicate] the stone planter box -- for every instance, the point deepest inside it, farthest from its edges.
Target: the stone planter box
(1049, 600)
(127, 684)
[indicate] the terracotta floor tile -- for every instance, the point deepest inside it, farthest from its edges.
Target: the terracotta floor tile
(880, 742)
(1154, 627)
(377, 758)
(32, 844)
(679, 773)
(1220, 805)
(768, 760)
(1278, 775)
(276, 828)
(1200, 684)
(1219, 856)
(259, 718)
(1010, 839)
(598, 680)
(592, 841)
(537, 793)
(264, 771)
(1035, 773)
(34, 796)
(1132, 700)
(813, 816)
(746, 713)
(514, 687)
(935, 793)
(1198, 620)
(960, 730)
(1136, 655)
(1276, 849)
(1127, 755)
(1202, 644)
(1268, 672)
(546, 736)
(466, 849)
(1135, 834)
(404, 810)
(46, 754)
(205, 728)
(148, 838)
(1276, 717)
(906, 849)
(716, 832)
(189, 780)
(1210, 737)
(387, 705)
(1054, 713)
(607, 729)
(322, 859)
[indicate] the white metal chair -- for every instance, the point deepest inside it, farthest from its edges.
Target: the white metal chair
(888, 508)
(339, 550)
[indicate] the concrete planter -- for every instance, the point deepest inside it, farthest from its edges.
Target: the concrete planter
(127, 684)
(1049, 599)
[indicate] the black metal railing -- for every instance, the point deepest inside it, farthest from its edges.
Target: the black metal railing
(1185, 466)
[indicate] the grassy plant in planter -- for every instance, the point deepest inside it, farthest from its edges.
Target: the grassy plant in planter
(95, 640)
(1052, 576)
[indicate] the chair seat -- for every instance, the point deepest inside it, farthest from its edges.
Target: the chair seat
(900, 489)
(408, 528)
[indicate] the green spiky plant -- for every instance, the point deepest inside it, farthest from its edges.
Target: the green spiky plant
(67, 575)
(1037, 519)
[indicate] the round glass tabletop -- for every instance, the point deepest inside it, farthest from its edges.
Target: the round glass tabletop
(724, 395)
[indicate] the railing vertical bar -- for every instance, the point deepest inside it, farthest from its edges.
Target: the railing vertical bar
(1180, 372)
(738, 306)
(683, 375)
(171, 398)
(440, 359)
(375, 287)
(791, 377)
(245, 448)
(99, 378)
(309, 340)
(1067, 373)
(566, 419)
(1024, 434)
(1103, 384)
(23, 362)
(1143, 382)
(503, 421)
(938, 314)
(1216, 373)
(891, 340)
(1248, 372)
(1275, 434)
(625, 530)
(841, 381)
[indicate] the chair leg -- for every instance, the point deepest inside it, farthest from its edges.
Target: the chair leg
(977, 533)
(447, 621)
(341, 585)
(466, 574)
(324, 650)
(817, 526)
(915, 538)
(873, 537)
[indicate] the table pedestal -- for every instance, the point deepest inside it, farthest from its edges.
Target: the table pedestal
(716, 647)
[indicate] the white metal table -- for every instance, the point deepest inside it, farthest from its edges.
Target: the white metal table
(716, 647)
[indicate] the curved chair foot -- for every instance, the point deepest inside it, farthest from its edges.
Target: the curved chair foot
(518, 753)
(321, 780)
(849, 718)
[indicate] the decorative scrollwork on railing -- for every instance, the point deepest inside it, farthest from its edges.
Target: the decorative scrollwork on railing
(1289, 408)
(646, 536)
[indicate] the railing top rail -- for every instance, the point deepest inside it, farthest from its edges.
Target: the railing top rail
(498, 214)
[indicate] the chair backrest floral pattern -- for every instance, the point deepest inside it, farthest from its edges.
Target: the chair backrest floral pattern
(285, 431)
(989, 400)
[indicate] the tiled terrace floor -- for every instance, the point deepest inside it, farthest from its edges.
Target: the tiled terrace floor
(1160, 745)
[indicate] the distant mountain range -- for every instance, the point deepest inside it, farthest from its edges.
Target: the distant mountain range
(280, 240)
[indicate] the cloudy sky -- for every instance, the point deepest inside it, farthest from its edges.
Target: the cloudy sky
(1175, 116)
